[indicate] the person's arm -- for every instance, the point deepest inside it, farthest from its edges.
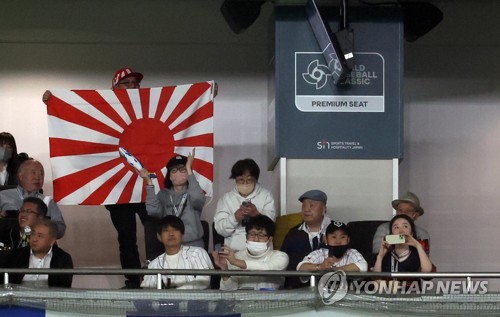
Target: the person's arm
(153, 204)
(351, 267)
(424, 238)
(226, 282)
(355, 262)
(8, 200)
(199, 260)
(195, 193)
(220, 262)
(229, 283)
(269, 208)
(225, 220)
(55, 215)
(230, 255)
(316, 261)
(425, 262)
(199, 282)
(63, 261)
(150, 281)
(380, 256)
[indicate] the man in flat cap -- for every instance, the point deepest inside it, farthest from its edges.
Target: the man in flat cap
(407, 204)
(306, 237)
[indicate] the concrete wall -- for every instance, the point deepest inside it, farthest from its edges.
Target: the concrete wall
(452, 123)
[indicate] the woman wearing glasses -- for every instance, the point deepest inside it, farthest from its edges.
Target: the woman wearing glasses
(182, 197)
(246, 200)
(257, 255)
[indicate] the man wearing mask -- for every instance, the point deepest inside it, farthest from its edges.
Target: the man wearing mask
(258, 255)
(307, 236)
(246, 200)
(31, 177)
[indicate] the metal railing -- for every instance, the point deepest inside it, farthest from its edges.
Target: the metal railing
(358, 298)
(159, 272)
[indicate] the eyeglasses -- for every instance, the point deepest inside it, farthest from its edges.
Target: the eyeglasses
(249, 180)
(27, 211)
(178, 169)
(253, 235)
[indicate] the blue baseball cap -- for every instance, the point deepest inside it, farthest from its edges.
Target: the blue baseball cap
(314, 194)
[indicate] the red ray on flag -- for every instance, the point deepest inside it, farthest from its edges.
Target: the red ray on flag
(86, 128)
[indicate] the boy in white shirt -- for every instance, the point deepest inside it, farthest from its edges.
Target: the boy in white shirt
(177, 256)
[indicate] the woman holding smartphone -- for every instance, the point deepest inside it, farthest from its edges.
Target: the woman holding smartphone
(408, 256)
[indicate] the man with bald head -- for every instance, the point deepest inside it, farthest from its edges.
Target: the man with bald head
(31, 177)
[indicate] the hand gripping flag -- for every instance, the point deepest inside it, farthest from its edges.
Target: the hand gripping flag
(87, 128)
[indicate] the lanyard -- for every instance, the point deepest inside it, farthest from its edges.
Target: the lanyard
(178, 211)
(394, 266)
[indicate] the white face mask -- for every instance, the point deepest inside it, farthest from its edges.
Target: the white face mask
(245, 189)
(256, 248)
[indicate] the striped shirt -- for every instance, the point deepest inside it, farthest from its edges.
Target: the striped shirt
(190, 258)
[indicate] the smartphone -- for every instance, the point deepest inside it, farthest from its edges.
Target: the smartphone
(246, 203)
(395, 238)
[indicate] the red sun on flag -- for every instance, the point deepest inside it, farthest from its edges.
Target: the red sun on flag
(87, 127)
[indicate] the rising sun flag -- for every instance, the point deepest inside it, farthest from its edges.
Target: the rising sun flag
(88, 127)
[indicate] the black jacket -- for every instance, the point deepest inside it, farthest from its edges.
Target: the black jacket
(20, 258)
(297, 246)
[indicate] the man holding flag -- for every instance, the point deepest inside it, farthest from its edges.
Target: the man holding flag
(123, 215)
(88, 127)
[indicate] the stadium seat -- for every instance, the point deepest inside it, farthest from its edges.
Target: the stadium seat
(283, 225)
(361, 235)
